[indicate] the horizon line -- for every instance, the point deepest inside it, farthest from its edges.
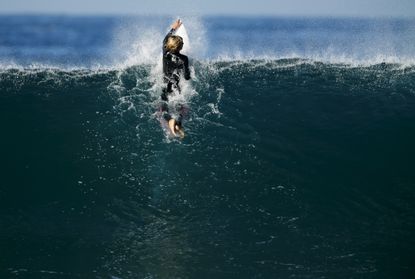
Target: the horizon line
(282, 15)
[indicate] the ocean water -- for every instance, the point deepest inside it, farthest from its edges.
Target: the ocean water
(298, 160)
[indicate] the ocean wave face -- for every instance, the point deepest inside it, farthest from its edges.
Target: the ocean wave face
(297, 160)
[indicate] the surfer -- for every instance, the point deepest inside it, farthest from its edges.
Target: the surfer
(175, 66)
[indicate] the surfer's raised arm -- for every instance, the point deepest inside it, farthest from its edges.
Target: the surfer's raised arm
(175, 25)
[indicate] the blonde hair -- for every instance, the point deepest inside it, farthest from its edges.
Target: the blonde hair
(174, 44)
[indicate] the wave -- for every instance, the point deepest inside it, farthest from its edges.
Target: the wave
(272, 146)
(216, 88)
(19, 74)
(250, 60)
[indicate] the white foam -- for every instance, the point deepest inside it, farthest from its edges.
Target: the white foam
(135, 45)
(328, 58)
(138, 43)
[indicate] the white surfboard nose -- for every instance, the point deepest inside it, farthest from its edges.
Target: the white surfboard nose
(181, 31)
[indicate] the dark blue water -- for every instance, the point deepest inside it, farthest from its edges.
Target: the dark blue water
(297, 160)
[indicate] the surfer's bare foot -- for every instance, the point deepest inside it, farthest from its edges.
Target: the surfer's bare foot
(172, 126)
(180, 131)
(175, 129)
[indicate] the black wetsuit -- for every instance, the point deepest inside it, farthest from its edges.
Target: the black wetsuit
(175, 65)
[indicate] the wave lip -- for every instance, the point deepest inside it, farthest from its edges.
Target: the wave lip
(251, 61)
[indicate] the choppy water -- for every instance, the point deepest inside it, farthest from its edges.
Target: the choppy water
(292, 167)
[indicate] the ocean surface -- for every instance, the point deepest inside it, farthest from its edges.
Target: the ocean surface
(298, 160)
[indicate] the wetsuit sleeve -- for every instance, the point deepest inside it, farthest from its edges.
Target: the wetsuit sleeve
(186, 68)
(165, 40)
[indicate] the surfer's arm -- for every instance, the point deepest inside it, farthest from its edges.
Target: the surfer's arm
(174, 26)
(186, 68)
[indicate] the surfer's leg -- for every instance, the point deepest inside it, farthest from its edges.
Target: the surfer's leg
(175, 125)
(182, 111)
(164, 109)
(166, 92)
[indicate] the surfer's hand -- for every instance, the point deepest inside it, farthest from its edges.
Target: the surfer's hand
(176, 24)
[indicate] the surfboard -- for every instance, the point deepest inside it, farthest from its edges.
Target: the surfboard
(182, 32)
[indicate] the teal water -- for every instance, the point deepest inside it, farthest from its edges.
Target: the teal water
(297, 160)
(289, 169)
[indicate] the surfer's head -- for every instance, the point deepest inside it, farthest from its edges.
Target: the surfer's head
(174, 44)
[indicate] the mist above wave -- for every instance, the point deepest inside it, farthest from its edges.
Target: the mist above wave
(121, 42)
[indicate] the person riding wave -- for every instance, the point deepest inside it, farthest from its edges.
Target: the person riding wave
(175, 66)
